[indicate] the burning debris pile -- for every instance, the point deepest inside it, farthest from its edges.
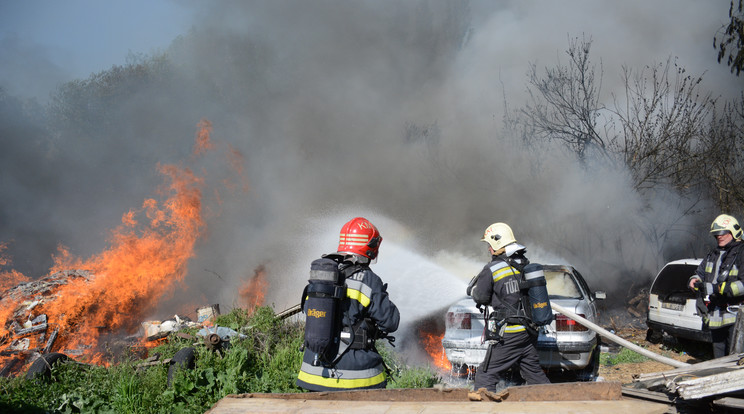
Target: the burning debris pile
(28, 331)
(81, 312)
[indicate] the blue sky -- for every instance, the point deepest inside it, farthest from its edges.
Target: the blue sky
(74, 38)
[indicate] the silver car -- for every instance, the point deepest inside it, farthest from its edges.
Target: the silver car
(672, 306)
(564, 346)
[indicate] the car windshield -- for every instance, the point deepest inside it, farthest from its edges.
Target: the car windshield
(561, 284)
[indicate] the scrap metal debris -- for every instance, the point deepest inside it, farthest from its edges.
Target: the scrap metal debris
(719, 382)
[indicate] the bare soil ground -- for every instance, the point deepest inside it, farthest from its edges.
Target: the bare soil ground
(626, 372)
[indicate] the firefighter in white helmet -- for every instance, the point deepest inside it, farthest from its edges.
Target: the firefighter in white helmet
(496, 289)
(719, 277)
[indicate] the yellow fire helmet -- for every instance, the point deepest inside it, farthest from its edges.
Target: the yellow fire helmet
(498, 235)
(725, 223)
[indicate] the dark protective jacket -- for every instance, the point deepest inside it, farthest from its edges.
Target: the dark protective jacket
(366, 297)
(497, 285)
(719, 266)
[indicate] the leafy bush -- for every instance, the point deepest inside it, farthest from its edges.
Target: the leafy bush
(267, 359)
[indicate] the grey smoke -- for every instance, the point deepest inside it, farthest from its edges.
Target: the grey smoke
(386, 109)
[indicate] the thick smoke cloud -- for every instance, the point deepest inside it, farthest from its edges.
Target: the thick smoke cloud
(391, 110)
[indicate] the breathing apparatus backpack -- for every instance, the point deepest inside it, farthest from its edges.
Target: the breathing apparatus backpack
(533, 309)
(322, 305)
(321, 300)
(536, 300)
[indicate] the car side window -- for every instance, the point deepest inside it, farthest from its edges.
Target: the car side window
(582, 282)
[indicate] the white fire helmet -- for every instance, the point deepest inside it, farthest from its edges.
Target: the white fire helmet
(498, 235)
(725, 223)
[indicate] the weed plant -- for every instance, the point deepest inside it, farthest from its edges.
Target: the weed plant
(625, 356)
(266, 358)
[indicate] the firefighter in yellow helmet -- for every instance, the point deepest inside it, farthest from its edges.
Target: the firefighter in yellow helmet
(719, 276)
(496, 289)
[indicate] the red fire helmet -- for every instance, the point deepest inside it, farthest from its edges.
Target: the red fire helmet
(361, 237)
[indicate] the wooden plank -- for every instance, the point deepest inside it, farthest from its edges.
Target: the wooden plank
(49, 343)
(648, 395)
(568, 391)
(403, 394)
(230, 405)
(738, 333)
(32, 329)
(711, 385)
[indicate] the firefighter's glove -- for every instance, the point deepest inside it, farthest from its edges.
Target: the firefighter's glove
(469, 290)
(694, 283)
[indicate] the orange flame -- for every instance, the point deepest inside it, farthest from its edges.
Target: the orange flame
(203, 137)
(148, 255)
(432, 343)
(253, 292)
(140, 267)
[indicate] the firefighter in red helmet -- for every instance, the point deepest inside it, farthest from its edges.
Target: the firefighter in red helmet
(366, 314)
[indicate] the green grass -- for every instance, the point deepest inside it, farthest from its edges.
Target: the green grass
(625, 356)
(266, 360)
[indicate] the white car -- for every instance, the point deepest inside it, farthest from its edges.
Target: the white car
(672, 305)
(564, 346)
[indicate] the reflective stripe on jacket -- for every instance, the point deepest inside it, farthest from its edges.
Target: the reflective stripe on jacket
(497, 286)
(722, 265)
(366, 297)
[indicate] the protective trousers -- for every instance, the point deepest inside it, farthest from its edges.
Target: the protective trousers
(515, 350)
(723, 340)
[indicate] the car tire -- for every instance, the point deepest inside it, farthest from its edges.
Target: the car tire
(42, 367)
(183, 359)
(653, 336)
(591, 371)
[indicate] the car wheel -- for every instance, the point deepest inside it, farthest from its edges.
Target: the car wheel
(184, 359)
(42, 367)
(591, 371)
(655, 337)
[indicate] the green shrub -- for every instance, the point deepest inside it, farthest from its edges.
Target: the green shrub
(402, 376)
(267, 359)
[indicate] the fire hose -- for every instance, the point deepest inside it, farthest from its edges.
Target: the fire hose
(616, 339)
(599, 330)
